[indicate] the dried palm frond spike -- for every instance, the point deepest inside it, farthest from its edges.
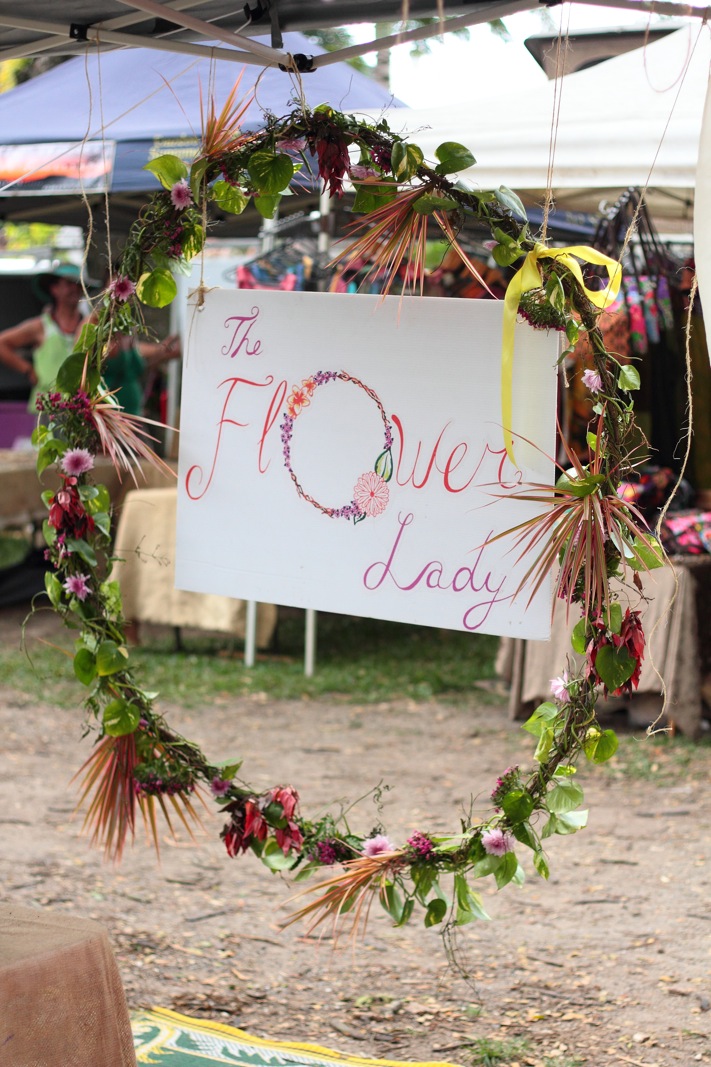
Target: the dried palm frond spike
(124, 437)
(348, 896)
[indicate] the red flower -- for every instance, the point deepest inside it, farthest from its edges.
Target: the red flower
(233, 836)
(333, 161)
(255, 825)
(630, 638)
(66, 511)
(289, 838)
(287, 796)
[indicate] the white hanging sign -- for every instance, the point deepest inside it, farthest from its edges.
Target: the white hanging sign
(346, 453)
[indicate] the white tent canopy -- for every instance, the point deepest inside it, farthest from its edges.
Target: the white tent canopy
(631, 121)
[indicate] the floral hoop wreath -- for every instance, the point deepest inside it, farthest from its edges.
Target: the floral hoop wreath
(585, 531)
(370, 493)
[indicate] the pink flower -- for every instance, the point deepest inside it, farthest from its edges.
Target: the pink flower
(78, 585)
(359, 172)
(291, 144)
(219, 787)
(559, 688)
(371, 493)
(122, 289)
(496, 842)
(77, 461)
(180, 195)
(373, 846)
(592, 381)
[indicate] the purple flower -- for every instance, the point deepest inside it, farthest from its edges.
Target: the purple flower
(77, 461)
(592, 381)
(291, 144)
(559, 688)
(219, 787)
(496, 842)
(78, 585)
(373, 846)
(421, 844)
(122, 289)
(180, 195)
(359, 172)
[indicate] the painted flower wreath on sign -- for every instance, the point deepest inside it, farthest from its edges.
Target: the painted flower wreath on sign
(586, 533)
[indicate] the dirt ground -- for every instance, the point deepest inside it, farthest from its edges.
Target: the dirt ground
(608, 963)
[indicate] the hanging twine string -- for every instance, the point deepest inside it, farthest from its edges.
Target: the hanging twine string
(562, 48)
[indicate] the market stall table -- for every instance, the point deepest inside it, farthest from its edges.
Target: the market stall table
(675, 645)
(145, 570)
(61, 998)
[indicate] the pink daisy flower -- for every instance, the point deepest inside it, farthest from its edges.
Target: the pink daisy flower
(77, 461)
(78, 585)
(359, 172)
(373, 846)
(122, 289)
(219, 787)
(371, 493)
(559, 688)
(180, 195)
(496, 842)
(592, 381)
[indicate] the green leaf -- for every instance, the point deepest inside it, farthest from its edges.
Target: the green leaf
(545, 744)
(428, 203)
(157, 288)
(615, 666)
(578, 638)
(46, 456)
(371, 195)
(508, 199)
(569, 823)
(522, 832)
(469, 903)
(605, 747)
(539, 862)
(120, 718)
(407, 909)
(392, 902)
(271, 172)
(613, 618)
(110, 658)
(453, 157)
(306, 872)
(168, 170)
(85, 666)
(53, 586)
(405, 160)
(83, 549)
(650, 554)
(580, 486)
(424, 876)
(71, 374)
(564, 797)
(384, 465)
(228, 197)
(543, 716)
(506, 869)
(197, 174)
(436, 911)
(274, 858)
(517, 805)
(572, 331)
(485, 866)
(267, 205)
(628, 378)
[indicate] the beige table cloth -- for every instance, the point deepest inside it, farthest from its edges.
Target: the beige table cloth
(669, 619)
(145, 543)
(62, 1003)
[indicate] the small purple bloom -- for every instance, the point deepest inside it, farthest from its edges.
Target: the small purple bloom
(219, 787)
(180, 195)
(373, 846)
(496, 842)
(359, 172)
(77, 461)
(421, 844)
(592, 381)
(559, 688)
(122, 289)
(78, 585)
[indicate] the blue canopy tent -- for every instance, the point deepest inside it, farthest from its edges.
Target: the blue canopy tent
(93, 123)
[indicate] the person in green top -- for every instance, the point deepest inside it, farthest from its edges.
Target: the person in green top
(126, 366)
(51, 335)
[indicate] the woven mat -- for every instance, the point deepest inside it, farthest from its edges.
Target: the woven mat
(166, 1039)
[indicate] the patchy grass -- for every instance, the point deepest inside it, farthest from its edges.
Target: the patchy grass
(362, 661)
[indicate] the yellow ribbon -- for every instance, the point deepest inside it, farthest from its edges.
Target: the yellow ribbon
(529, 277)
